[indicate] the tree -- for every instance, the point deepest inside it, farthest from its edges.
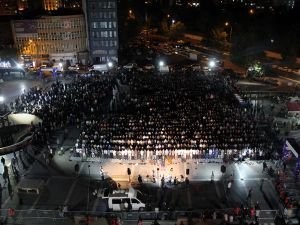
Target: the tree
(164, 28)
(246, 48)
(219, 36)
(177, 30)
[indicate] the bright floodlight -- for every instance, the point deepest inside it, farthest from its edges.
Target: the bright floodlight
(110, 64)
(2, 99)
(60, 64)
(19, 65)
(161, 63)
(23, 87)
(212, 64)
(173, 21)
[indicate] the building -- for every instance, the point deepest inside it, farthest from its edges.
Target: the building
(51, 5)
(51, 38)
(102, 29)
(8, 7)
(71, 4)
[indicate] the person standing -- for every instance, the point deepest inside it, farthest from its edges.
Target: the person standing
(76, 168)
(3, 161)
(140, 221)
(264, 166)
(249, 196)
(102, 173)
(229, 187)
(162, 182)
(212, 177)
(284, 166)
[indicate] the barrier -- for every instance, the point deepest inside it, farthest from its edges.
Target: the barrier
(30, 186)
(36, 216)
(14, 147)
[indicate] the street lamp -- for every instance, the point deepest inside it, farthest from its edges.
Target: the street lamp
(173, 21)
(2, 99)
(227, 24)
(212, 64)
(110, 64)
(88, 194)
(161, 63)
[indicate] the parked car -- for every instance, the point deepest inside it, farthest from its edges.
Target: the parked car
(149, 67)
(130, 66)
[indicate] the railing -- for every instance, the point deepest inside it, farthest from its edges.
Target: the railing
(21, 144)
(79, 217)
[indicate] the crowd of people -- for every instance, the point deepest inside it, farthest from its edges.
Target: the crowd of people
(66, 104)
(158, 116)
(174, 116)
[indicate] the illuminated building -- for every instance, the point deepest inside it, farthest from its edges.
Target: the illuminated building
(102, 29)
(54, 38)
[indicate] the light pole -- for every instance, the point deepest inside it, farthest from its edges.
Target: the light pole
(227, 24)
(88, 194)
(2, 99)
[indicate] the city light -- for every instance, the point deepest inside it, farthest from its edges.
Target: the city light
(19, 66)
(110, 64)
(2, 99)
(212, 64)
(22, 86)
(173, 21)
(161, 63)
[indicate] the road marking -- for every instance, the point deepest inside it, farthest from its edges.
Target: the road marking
(81, 168)
(39, 196)
(242, 179)
(296, 81)
(5, 202)
(95, 204)
(70, 191)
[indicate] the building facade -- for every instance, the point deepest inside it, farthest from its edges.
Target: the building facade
(102, 29)
(51, 38)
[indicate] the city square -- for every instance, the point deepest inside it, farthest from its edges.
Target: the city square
(105, 121)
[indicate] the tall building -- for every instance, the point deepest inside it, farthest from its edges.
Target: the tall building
(51, 38)
(102, 29)
(8, 7)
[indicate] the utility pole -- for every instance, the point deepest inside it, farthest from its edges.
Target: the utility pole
(88, 194)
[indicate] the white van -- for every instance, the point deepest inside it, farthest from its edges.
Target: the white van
(118, 201)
